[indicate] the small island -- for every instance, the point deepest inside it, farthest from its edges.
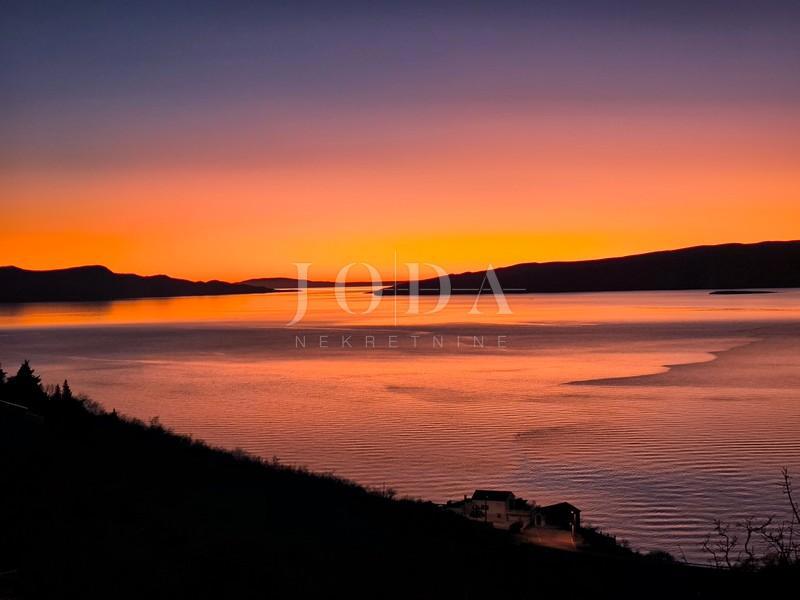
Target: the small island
(739, 292)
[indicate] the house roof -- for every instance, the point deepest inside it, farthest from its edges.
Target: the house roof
(492, 495)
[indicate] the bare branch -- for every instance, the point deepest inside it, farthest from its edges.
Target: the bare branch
(766, 542)
(787, 489)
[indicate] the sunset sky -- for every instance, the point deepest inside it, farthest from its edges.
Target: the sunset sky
(231, 139)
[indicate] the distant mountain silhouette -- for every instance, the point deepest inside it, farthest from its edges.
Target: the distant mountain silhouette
(93, 283)
(280, 283)
(733, 266)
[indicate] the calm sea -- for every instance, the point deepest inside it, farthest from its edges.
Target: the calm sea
(653, 412)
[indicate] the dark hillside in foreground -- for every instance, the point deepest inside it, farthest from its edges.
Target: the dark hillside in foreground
(96, 506)
(96, 283)
(740, 266)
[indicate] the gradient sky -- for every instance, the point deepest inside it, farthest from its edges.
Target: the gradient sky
(232, 139)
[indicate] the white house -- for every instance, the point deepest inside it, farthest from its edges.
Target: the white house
(498, 507)
(495, 505)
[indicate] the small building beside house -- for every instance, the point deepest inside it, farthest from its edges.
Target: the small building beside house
(558, 516)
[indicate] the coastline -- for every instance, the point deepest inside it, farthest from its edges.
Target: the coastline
(141, 510)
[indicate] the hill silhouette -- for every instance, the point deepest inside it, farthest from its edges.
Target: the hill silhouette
(93, 283)
(739, 266)
(290, 283)
(95, 505)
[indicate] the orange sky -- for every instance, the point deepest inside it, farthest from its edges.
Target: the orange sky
(233, 143)
(460, 192)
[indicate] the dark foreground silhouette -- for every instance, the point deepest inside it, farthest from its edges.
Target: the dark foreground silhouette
(740, 266)
(93, 505)
(96, 283)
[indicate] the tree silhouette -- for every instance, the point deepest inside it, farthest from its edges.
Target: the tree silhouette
(66, 392)
(25, 387)
(25, 373)
(767, 542)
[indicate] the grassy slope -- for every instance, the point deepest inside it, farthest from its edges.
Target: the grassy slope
(98, 506)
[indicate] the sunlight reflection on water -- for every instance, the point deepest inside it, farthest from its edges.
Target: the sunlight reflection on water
(652, 459)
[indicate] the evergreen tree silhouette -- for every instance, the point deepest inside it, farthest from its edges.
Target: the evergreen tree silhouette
(25, 388)
(26, 375)
(66, 392)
